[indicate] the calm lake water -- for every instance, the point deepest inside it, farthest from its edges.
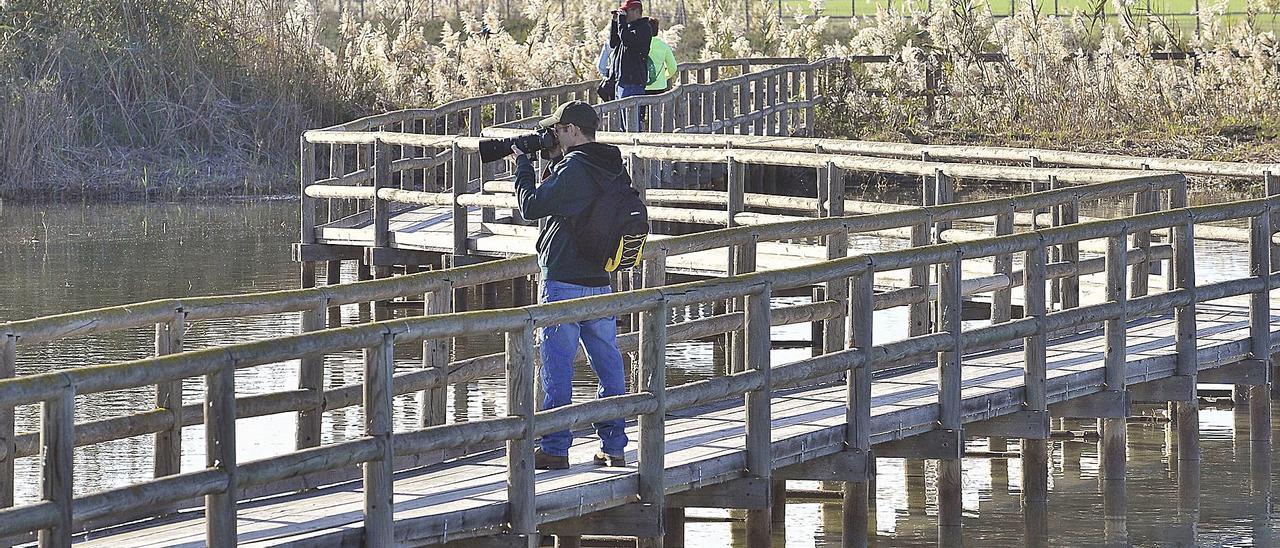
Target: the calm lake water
(64, 257)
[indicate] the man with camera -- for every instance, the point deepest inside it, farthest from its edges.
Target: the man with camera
(568, 188)
(630, 35)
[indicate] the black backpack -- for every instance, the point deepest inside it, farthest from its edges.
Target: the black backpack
(614, 226)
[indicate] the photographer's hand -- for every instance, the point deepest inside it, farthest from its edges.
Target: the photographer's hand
(517, 151)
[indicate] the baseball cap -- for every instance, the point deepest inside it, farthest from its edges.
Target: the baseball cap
(578, 113)
(629, 4)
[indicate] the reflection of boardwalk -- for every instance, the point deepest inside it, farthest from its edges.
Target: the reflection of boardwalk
(704, 444)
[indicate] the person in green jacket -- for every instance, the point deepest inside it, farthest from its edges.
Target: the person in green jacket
(664, 63)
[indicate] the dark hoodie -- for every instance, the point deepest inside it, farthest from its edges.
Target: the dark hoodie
(569, 188)
(630, 42)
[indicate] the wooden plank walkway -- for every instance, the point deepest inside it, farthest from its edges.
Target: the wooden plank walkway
(705, 445)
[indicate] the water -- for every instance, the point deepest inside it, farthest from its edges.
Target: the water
(57, 258)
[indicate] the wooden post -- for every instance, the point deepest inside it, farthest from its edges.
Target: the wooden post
(1055, 252)
(1260, 328)
(857, 494)
(381, 217)
(1070, 215)
(1142, 203)
(837, 247)
(758, 96)
(57, 445)
(379, 518)
(918, 312)
(950, 486)
(435, 355)
(781, 99)
(1185, 334)
(523, 512)
(744, 103)
(1271, 184)
(810, 129)
(741, 260)
(759, 418)
(311, 379)
(220, 453)
(1035, 452)
(8, 367)
(653, 379)
(168, 447)
(307, 208)
(459, 176)
(1002, 299)
(673, 527)
(1113, 429)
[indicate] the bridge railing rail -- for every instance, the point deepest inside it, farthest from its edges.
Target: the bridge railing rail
(310, 400)
(219, 483)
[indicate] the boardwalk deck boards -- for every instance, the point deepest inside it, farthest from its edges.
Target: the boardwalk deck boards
(704, 445)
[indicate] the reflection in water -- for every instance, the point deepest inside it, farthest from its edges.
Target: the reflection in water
(65, 257)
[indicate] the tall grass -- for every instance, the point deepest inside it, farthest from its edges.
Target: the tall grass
(189, 92)
(125, 97)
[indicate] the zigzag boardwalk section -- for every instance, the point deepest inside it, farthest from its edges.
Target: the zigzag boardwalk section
(705, 445)
(1097, 330)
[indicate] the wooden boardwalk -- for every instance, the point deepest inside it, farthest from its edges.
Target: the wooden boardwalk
(705, 445)
(406, 193)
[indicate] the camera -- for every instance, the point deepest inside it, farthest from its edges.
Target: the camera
(492, 150)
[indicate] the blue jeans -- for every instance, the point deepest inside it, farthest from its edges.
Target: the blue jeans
(628, 90)
(599, 337)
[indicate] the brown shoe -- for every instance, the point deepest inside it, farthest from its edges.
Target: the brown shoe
(545, 461)
(605, 459)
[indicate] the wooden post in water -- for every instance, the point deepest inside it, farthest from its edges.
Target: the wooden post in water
(950, 485)
(307, 432)
(857, 494)
(653, 379)
(759, 417)
(168, 445)
(220, 453)
(1188, 412)
(521, 500)
(1271, 183)
(58, 441)
(1260, 331)
(1113, 429)
(379, 518)
(1035, 452)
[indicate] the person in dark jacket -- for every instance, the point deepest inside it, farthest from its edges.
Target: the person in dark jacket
(568, 188)
(630, 35)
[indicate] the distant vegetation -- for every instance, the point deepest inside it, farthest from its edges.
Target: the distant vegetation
(195, 97)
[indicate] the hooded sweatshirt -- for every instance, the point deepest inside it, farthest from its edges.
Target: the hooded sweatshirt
(571, 185)
(631, 41)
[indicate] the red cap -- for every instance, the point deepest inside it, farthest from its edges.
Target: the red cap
(629, 4)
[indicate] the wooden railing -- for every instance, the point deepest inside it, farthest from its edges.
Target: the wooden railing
(310, 400)
(223, 480)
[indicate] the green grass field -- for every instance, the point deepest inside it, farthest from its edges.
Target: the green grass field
(1184, 8)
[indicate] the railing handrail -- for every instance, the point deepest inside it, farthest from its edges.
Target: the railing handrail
(939, 153)
(57, 389)
(44, 329)
(455, 106)
(41, 386)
